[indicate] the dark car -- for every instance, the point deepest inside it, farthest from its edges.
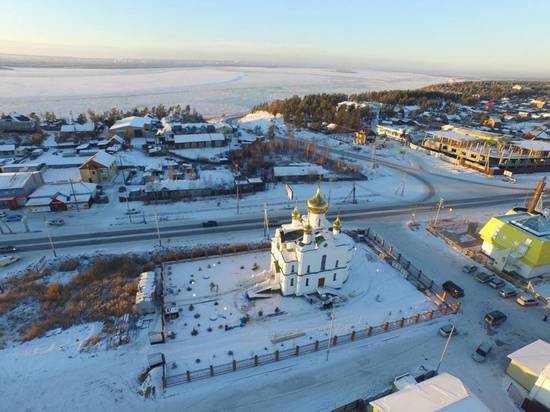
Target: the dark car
(453, 289)
(495, 318)
(7, 249)
(14, 218)
(209, 223)
(446, 330)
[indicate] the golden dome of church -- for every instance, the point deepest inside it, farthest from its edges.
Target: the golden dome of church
(317, 204)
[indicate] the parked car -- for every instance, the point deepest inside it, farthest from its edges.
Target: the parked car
(55, 222)
(482, 351)
(121, 189)
(525, 300)
(507, 292)
(496, 283)
(469, 268)
(132, 211)
(483, 277)
(3, 214)
(14, 218)
(8, 260)
(7, 249)
(210, 223)
(445, 330)
(495, 318)
(453, 289)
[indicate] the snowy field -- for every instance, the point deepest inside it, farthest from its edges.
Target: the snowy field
(211, 90)
(373, 294)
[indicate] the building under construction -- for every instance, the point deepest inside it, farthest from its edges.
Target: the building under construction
(519, 241)
(489, 153)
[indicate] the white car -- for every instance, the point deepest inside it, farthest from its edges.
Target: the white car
(55, 222)
(132, 211)
(8, 260)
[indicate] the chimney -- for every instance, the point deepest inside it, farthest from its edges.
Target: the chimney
(536, 196)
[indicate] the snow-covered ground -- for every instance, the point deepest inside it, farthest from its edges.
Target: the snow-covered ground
(374, 293)
(212, 90)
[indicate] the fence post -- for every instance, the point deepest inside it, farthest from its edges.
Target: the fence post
(316, 345)
(255, 360)
(386, 326)
(234, 365)
(401, 322)
(188, 376)
(370, 331)
(276, 355)
(352, 336)
(211, 370)
(297, 350)
(456, 307)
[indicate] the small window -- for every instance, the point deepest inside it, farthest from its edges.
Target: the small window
(308, 268)
(292, 269)
(307, 281)
(291, 281)
(334, 277)
(336, 265)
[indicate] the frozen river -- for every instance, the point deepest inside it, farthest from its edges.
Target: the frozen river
(211, 90)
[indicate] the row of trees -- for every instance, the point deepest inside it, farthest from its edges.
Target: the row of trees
(491, 89)
(109, 117)
(315, 109)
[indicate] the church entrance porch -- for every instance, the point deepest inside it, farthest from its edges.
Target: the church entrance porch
(321, 282)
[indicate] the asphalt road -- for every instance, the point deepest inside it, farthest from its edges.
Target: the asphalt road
(352, 213)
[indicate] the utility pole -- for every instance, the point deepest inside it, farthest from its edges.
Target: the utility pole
(353, 198)
(439, 206)
(50, 238)
(373, 155)
(158, 227)
(266, 222)
(331, 330)
(238, 196)
(74, 195)
(445, 348)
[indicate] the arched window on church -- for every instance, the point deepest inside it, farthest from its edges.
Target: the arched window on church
(307, 281)
(308, 268)
(323, 262)
(292, 281)
(292, 269)
(334, 277)
(336, 265)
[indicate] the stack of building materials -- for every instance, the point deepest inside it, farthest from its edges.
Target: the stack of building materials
(146, 293)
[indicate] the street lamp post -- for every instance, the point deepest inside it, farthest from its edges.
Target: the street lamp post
(50, 238)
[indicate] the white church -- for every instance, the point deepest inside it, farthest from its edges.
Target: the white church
(308, 254)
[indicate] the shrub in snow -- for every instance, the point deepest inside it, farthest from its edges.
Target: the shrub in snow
(197, 360)
(277, 310)
(230, 353)
(189, 288)
(197, 315)
(191, 307)
(260, 313)
(209, 329)
(216, 303)
(194, 332)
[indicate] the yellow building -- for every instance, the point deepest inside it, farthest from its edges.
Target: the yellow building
(100, 168)
(518, 242)
(530, 368)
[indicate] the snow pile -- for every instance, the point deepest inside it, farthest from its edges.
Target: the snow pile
(260, 120)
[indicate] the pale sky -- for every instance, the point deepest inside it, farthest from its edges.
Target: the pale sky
(482, 37)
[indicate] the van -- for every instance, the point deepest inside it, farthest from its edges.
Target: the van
(495, 318)
(453, 289)
(482, 351)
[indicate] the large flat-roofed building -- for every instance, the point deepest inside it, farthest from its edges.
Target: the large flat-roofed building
(518, 242)
(443, 392)
(393, 132)
(16, 187)
(488, 152)
(133, 126)
(199, 140)
(17, 122)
